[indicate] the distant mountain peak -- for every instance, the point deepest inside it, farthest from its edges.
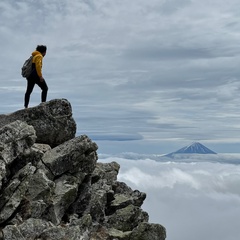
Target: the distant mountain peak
(194, 148)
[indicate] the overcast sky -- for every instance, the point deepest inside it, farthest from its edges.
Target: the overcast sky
(142, 76)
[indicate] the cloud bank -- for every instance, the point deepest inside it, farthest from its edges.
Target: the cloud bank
(194, 200)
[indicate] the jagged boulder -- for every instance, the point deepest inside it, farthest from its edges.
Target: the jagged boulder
(71, 156)
(63, 192)
(52, 121)
(15, 140)
(148, 231)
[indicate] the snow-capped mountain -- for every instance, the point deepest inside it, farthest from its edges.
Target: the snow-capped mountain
(194, 148)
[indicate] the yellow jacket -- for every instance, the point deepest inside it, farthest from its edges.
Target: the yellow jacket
(37, 60)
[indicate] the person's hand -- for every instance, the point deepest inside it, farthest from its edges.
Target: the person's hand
(41, 79)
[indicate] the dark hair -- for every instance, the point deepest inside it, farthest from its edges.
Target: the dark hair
(41, 48)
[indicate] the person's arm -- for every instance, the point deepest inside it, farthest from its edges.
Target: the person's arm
(38, 64)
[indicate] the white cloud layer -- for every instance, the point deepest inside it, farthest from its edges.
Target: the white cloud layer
(193, 200)
(156, 73)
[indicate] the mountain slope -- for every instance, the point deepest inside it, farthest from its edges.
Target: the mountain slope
(194, 148)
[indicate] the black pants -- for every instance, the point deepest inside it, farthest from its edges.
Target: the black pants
(30, 85)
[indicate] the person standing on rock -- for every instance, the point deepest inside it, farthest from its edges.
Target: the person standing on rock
(36, 76)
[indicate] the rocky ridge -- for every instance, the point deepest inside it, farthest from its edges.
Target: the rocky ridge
(52, 187)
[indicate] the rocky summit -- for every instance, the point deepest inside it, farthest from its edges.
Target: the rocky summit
(53, 188)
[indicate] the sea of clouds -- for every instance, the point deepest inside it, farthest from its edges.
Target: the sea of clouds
(194, 199)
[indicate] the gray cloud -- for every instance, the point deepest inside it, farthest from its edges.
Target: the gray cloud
(116, 137)
(165, 54)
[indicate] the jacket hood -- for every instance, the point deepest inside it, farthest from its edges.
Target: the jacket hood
(36, 53)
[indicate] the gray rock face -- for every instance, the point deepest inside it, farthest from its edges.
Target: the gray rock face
(52, 121)
(63, 192)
